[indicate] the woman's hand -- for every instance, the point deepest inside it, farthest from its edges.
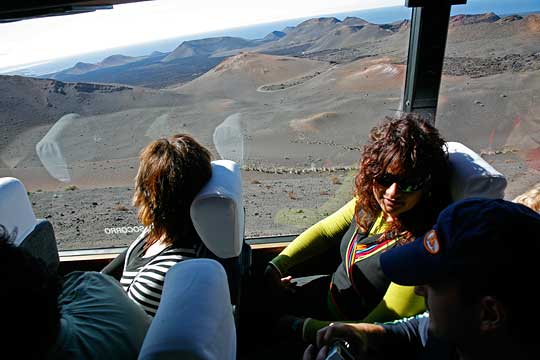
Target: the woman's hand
(354, 334)
(311, 353)
(277, 284)
(359, 337)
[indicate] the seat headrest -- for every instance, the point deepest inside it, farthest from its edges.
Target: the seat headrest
(15, 208)
(472, 176)
(217, 211)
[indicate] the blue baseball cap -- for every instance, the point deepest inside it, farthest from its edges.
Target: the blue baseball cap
(471, 237)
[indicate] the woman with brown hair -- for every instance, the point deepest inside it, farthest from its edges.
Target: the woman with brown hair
(400, 188)
(171, 173)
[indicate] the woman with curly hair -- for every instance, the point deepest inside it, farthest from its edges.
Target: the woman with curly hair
(400, 188)
(171, 173)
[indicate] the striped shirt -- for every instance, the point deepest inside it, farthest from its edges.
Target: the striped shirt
(143, 277)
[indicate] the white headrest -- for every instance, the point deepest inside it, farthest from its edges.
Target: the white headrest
(217, 211)
(15, 208)
(472, 176)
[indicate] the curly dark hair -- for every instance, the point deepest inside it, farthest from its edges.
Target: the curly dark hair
(171, 173)
(413, 148)
(29, 297)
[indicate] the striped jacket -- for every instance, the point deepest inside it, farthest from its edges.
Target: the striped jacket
(143, 278)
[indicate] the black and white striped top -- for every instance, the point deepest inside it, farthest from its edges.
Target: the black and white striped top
(143, 277)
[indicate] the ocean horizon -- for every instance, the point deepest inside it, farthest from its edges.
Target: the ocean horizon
(259, 31)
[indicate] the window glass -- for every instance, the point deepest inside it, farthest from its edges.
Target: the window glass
(290, 92)
(490, 91)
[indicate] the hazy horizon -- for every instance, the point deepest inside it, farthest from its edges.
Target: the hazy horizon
(375, 15)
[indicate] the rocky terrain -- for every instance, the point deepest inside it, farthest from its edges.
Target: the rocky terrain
(478, 67)
(104, 217)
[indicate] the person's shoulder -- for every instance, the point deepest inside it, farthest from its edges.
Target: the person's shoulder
(87, 279)
(81, 275)
(103, 294)
(93, 306)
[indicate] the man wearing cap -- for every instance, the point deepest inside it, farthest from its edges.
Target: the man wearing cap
(471, 269)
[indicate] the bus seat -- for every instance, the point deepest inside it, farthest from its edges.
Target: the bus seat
(194, 319)
(217, 213)
(472, 176)
(17, 215)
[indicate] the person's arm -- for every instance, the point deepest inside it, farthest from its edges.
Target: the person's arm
(398, 302)
(406, 336)
(316, 239)
(362, 338)
(411, 331)
(116, 267)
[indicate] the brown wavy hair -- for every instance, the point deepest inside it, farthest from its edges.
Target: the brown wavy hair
(171, 173)
(412, 148)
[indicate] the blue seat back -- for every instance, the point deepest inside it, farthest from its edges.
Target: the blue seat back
(195, 318)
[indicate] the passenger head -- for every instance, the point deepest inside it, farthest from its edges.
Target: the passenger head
(472, 269)
(29, 302)
(403, 172)
(530, 198)
(171, 173)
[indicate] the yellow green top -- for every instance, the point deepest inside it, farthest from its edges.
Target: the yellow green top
(399, 301)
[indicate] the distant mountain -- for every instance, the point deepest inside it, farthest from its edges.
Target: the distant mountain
(532, 22)
(81, 68)
(511, 18)
(490, 35)
(351, 20)
(147, 71)
(324, 39)
(115, 60)
(274, 35)
(460, 20)
(333, 40)
(403, 25)
(207, 47)
(347, 36)
(287, 29)
(241, 74)
(310, 30)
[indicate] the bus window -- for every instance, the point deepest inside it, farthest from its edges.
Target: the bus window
(490, 90)
(289, 92)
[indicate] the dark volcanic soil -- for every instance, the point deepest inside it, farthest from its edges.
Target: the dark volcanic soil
(275, 203)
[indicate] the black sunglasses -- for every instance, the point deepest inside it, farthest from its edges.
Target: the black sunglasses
(404, 185)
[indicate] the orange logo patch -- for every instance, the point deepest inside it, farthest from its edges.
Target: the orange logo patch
(431, 242)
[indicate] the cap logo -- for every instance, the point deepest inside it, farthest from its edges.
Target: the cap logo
(431, 242)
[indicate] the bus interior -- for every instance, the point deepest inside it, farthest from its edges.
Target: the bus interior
(286, 115)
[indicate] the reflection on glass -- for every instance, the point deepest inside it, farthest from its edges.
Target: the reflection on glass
(229, 139)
